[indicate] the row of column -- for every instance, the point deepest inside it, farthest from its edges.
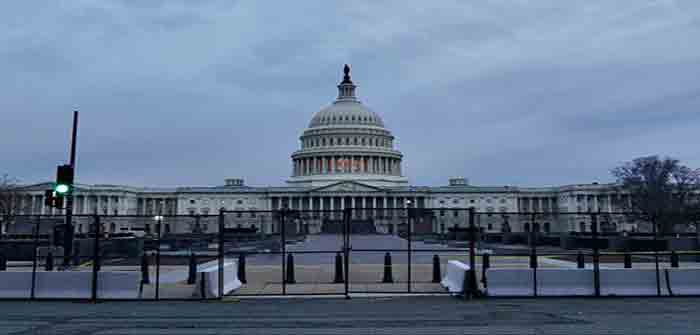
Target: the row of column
(82, 205)
(347, 164)
(337, 203)
(537, 204)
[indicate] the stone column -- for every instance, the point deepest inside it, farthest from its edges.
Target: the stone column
(374, 207)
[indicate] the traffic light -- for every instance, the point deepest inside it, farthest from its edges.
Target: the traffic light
(64, 180)
(48, 198)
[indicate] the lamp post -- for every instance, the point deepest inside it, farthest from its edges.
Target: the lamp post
(410, 232)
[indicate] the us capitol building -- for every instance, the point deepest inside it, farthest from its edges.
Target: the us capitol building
(347, 159)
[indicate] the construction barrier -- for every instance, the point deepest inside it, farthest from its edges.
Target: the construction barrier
(631, 282)
(78, 285)
(509, 282)
(207, 285)
(565, 282)
(683, 281)
(455, 276)
(15, 284)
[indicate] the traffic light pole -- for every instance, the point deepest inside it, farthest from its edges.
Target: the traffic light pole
(68, 236)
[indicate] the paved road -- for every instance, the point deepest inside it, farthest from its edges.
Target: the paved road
(333, 243)
(407, 315)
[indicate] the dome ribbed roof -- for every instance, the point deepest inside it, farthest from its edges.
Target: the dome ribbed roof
(346, 109)
(346, 113)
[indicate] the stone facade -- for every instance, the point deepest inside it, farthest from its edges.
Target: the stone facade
(347, 159)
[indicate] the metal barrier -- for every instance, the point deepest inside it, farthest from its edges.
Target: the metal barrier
(348, 252)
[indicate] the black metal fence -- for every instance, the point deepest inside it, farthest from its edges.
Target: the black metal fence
(351, 252)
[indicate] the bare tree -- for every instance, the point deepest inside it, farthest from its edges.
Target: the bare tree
(11, 194)
(660, 191)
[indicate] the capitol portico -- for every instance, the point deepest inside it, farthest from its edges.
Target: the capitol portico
(348, 159)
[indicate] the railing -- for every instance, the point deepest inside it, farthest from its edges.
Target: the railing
(307, 252)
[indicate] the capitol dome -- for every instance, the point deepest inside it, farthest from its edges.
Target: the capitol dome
(346, 140)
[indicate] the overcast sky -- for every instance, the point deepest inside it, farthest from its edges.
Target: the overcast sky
(174, 93)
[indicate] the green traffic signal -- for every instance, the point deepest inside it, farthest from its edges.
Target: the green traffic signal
(62, 188)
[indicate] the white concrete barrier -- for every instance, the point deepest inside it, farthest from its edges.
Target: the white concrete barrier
(563, 282)
(509, 282)
(118, 284)
(69, 284)
(15, 284)
(63, 285)
(631, 282)
(683, 281)
(207, 284)
(455, 276)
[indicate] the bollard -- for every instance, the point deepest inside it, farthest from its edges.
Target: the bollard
(192, 274)
(290, 269)
(436, 269)
(49, 261)
(388, 277)
(533, 261)
(76, 257)
(3, 262)
(674, 259)
(580, 261)
(628, 261)
(338, 269)
(241, 268)
(145, 275)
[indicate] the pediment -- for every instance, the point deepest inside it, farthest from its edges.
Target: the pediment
(347, 186)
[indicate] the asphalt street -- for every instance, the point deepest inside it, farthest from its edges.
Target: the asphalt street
(329, 244)
(396, 315)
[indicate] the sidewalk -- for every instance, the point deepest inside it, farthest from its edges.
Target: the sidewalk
(398, 315)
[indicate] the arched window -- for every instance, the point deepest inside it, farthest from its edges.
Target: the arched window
(347, 141)
(583, 227)
(546, 227)
(363, 141)
(323, 142)
(527, 227)
(355, 141)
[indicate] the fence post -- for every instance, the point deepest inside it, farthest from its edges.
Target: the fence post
(35, 254)
(3, 261)
(471, 292)
(411, 214)
(221, 254)
(346, 247)
(533, 254)
(95, 257)
(596, 255)
(656, 255)
(159, 220)
(283, 238)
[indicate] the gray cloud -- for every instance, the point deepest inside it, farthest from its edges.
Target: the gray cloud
(502, 92)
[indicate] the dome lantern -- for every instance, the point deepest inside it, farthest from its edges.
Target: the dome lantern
(346, 89)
